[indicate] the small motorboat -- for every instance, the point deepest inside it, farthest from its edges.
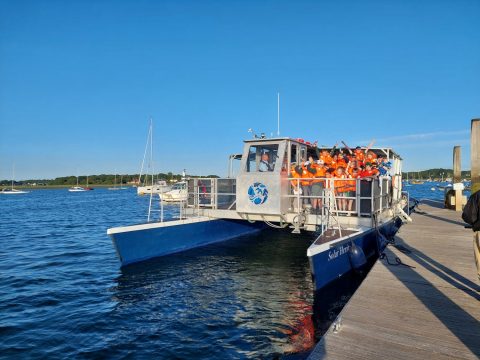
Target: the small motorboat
(13, 191)
(77, 189)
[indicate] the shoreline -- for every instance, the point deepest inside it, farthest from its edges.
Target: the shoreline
(53, 187)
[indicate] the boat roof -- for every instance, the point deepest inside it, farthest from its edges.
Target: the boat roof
(376, 150)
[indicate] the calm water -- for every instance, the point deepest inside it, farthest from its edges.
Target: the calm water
(63, 295)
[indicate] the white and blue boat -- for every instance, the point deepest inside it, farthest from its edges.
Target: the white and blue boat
(261, 195)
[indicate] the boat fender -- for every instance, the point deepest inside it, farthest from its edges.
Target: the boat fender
(357, 257)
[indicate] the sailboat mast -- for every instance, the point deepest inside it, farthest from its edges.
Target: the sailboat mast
(149, 136)
(278, 114)
(151, 169)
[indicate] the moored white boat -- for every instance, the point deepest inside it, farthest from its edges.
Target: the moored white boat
(12, 190)
(159, 187)
(77, 189)
(177, 193)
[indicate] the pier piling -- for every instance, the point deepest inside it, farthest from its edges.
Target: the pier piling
(475, 155)
(457, 177)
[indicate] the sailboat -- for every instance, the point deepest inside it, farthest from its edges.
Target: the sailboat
(158, 187)
(77, 188)
(407, 182)
(121, 184)
(13, 191)
(417, 181)
(114, 184)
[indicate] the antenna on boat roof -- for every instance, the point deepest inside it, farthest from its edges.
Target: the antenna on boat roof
(278, 114)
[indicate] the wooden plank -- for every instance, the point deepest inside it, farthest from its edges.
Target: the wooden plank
(431, 310)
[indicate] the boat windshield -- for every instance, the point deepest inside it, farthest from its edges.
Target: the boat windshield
(179, 186)
(262, 158)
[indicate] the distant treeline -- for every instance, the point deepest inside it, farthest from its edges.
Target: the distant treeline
(103, 179)
(109, 179)
(434, 174)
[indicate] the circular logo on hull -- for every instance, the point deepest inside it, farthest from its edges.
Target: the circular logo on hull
(258, 193)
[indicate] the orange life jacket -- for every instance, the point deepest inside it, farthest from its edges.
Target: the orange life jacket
(319, 173)
(305, 175)
(351, 185)
(342, 163)
(327, 159)
(360, 155)
(367, 173)
(294, 175)
(340, 185)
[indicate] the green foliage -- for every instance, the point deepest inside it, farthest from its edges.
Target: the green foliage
(97, 180)
(434, 174)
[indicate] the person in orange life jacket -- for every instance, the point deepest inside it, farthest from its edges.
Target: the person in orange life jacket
(340, 188)
(296, 172)
(305, 183)
(369, 171)
(352, 189)
(318, 170)
(333, 163)
(326, 157)
(371, 158)
(353, 164)
(359, 155)
(342, 160)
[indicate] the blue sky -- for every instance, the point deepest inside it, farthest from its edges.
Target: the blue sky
(79, 80)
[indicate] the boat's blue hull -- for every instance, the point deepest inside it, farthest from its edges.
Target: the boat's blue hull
(142, 244)
(334, 262)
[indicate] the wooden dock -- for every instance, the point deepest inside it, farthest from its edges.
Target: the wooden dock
(428, 310)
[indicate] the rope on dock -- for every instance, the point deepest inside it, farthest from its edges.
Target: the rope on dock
(398, 261)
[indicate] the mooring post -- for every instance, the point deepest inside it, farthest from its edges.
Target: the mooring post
(475, 155)
(475, 176)
(457, 178)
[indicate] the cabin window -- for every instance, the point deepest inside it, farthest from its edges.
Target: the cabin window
(293, 155)
(303, 153)
(262, 158)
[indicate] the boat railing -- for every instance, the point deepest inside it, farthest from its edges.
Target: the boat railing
(213, 193)
(353, 197)
(363, 197)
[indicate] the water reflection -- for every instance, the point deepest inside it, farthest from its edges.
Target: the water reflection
(251, 297)
(329, 301)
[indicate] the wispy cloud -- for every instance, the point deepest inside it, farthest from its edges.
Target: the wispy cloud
(430, 144)
(425, 138)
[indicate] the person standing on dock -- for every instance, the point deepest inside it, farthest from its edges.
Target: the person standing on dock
(471, 215)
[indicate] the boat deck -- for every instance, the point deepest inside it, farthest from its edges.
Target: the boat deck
(428, 309)
(333, 234)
